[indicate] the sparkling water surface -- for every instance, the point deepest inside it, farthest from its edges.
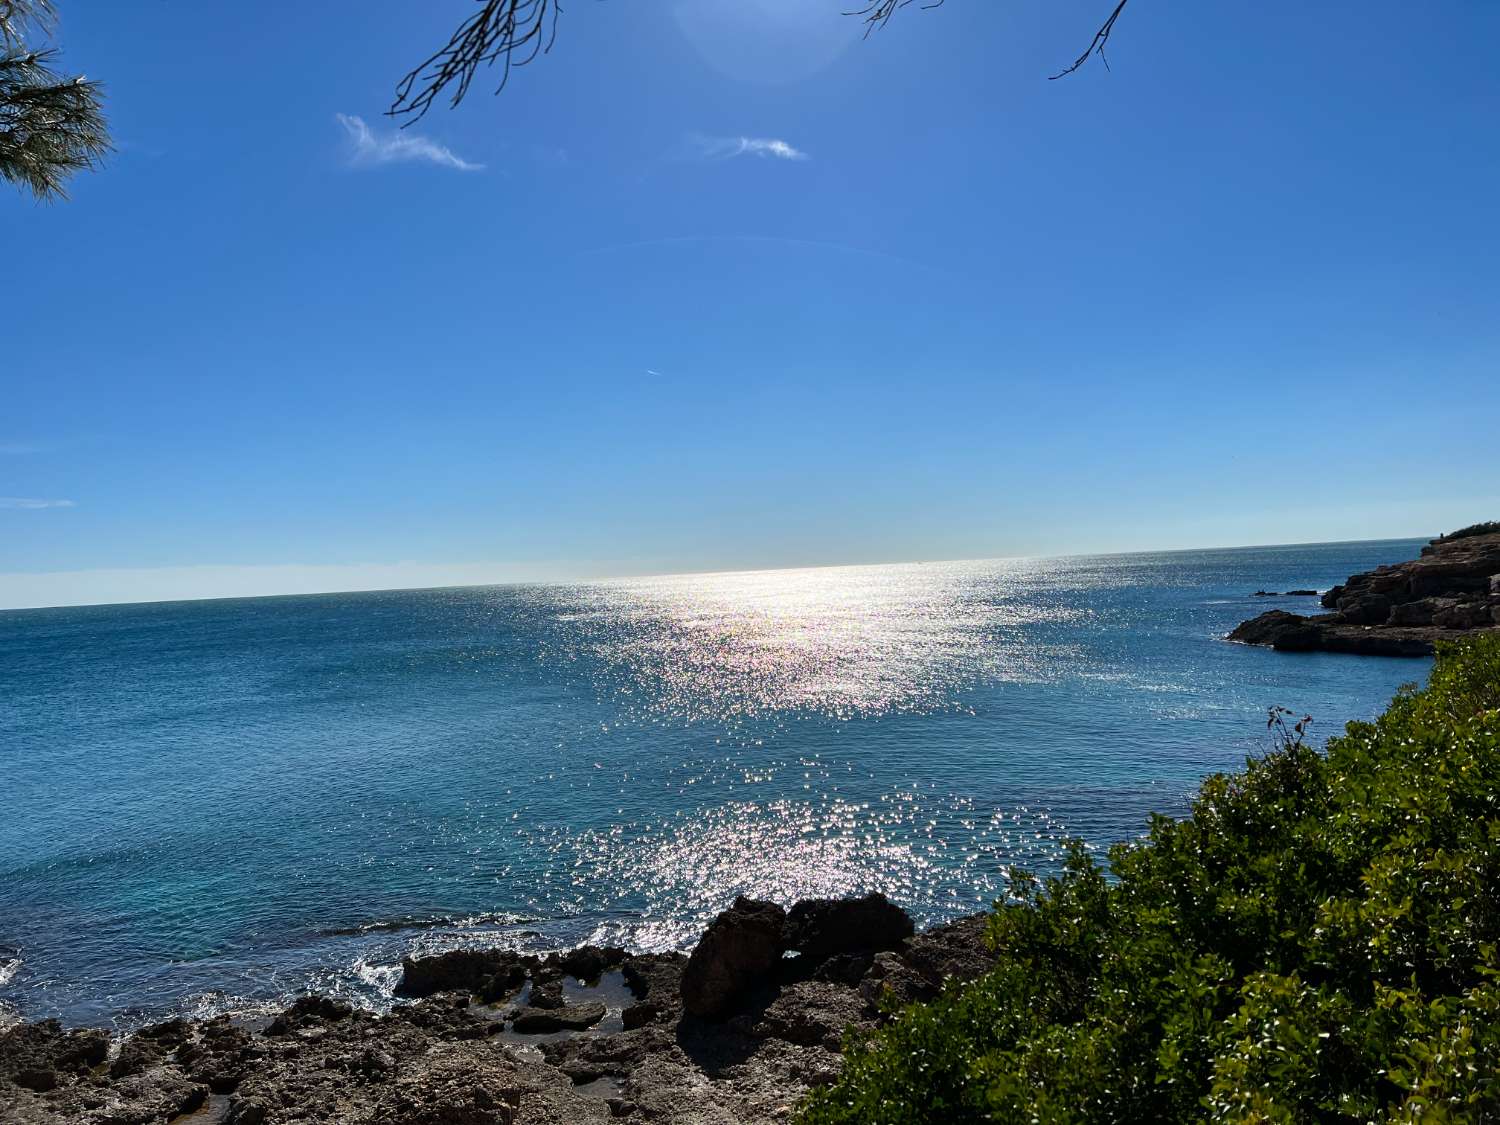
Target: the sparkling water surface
(215, 805)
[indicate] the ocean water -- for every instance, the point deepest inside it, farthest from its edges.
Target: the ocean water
(214, 805)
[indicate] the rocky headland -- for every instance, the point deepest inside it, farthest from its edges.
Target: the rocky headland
(1398, 610)
(736, 1032)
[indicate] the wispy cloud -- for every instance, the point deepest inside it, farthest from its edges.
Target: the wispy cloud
(33, 503)
(726, 148)
(369, 148)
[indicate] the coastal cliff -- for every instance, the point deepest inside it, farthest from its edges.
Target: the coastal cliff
(737, 1032)
(1400, 610)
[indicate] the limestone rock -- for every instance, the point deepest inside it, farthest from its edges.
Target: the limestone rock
(740, 948)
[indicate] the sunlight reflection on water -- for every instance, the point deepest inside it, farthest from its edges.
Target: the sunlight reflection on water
(841, 641)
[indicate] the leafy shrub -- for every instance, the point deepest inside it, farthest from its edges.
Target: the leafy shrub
(1316, 941)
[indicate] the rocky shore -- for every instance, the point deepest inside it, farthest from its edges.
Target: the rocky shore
(1398, 610)
(737, 1032)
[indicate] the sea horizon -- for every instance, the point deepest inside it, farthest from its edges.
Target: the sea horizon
(625, 576)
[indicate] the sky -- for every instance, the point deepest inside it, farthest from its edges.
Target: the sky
(724, 284)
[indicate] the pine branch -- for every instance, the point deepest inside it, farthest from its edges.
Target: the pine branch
(50, 127)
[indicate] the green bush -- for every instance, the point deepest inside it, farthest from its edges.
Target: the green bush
(1316, 941)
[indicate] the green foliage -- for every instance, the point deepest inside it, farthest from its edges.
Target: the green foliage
(1316, 941)
(50, 126)
(1489, 528)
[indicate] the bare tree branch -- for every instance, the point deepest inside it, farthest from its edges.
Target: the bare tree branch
(878, 12)
(513, 32)
(510, 32)
(1101, 37)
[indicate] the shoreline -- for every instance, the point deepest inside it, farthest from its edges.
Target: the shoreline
(737, 1031)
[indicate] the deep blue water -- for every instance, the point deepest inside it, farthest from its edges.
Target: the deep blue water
(209, 805)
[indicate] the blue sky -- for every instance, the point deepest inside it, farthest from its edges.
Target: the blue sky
(720, 284)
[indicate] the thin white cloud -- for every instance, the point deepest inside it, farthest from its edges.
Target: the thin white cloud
(370, 148)
(727, 148)
(33, 503)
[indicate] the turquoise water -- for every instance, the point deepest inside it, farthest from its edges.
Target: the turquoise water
(211, 805)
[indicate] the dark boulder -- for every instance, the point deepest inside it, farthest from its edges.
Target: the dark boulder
(740, 948)
(488, 972)
(569, 1017)
(821, 927)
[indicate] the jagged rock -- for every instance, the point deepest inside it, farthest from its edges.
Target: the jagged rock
(482, 971)
(307, 1010)
(568, 1017)
(655, 976)
(640, 1014)
(821, 927)
(740, 948)
(1301, 593)
(1290, 632)
(1398, 610)
(439, 1059)
(1365, 609)
(588, 962)
(546, 994)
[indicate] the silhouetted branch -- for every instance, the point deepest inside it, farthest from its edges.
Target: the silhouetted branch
(878, 12)
(514, 32)
(1101, 37)
(511, 32)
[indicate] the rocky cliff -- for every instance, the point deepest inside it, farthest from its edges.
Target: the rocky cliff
(737, 1032)
(1398, 610)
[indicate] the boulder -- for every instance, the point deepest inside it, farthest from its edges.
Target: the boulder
(1301, 593)
(569, 1017)
(819, 928)
(469, 970)
(740, 948)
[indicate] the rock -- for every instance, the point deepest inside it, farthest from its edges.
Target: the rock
(1301, 593)
(450, 1095)
(1463, 615)
(1398, 610)
(307, 1011)
(655, 976)
(1278, 629)
(39, 1079)
(821, 927)
(588, 962)
(740, 948)
(546, 994)
(640, 1014)
(569, 1017)
(1365, 609)
(1264, 594)
(471, 970)
(812, 1013)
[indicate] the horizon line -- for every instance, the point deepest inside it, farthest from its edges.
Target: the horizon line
(523, 583)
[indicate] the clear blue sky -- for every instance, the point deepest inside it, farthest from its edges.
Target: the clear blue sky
(718, 284)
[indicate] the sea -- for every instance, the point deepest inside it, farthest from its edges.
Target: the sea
(214, 806)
